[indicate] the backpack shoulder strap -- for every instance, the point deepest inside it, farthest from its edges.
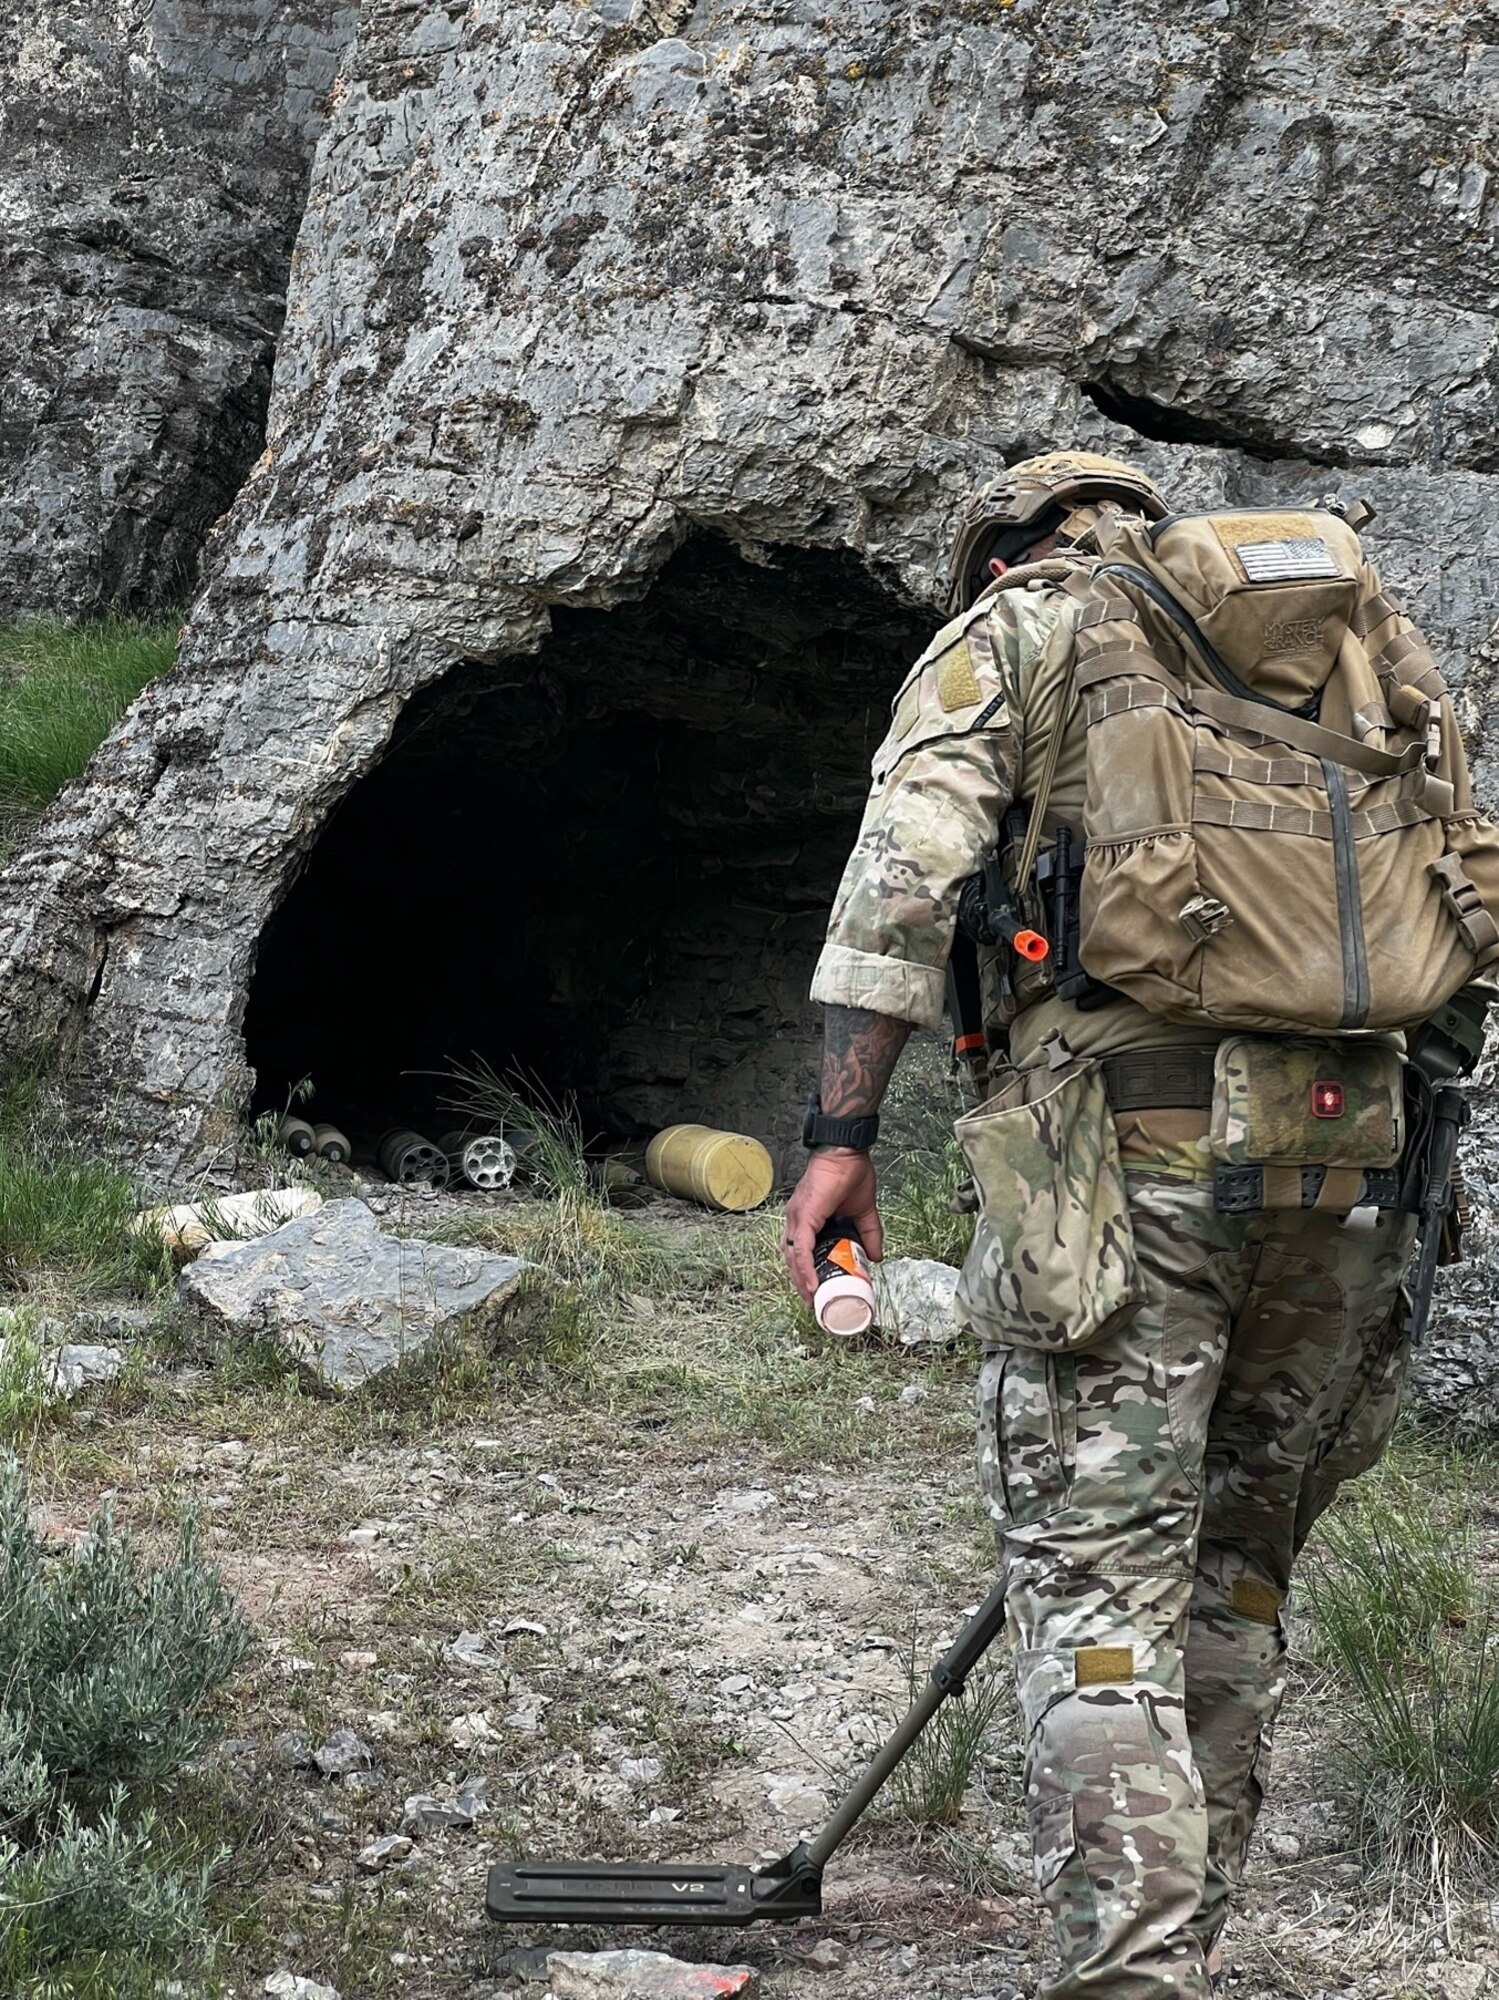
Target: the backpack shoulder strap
(1075, 579)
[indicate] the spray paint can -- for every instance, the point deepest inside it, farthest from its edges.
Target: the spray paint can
(844, 1300)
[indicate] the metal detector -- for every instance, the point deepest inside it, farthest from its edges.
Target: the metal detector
(675, 1892)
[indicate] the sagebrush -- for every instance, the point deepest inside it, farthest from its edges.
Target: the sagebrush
(109, 1669)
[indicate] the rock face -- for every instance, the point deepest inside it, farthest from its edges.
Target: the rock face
(636, 358)
(345, 1300)
(153, 166)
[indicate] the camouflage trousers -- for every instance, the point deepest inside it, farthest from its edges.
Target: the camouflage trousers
(1150, 1494)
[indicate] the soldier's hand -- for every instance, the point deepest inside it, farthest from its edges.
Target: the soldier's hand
(836, 1181)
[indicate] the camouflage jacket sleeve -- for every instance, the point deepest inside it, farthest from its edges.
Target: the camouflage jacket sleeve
(943, 778)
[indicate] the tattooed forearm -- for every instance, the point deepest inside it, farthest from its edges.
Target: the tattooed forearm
(859, 1051)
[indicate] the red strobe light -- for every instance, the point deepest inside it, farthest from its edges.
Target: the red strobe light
(1328, 1100)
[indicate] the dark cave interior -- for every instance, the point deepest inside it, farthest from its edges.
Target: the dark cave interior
(605, 866)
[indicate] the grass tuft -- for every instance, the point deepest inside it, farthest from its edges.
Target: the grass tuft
(28, 1386)
(929, 1787)
(63, 687)
(64, 1214)
(1410, 1626)
(917, 1207)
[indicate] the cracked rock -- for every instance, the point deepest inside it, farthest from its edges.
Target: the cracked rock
(827, 1955)
(380, 1853)
(643, 1975)
(423, 1813)
(914, 1300)
(291, 1750)
(343, 1753)
(291, 1986)
(346, 1300)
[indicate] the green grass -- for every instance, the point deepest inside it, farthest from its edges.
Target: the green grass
(928, 1788)
(916, 1206)
(27, 1390)
(64, 1214)
(1408, 1623)
(1393, 1563)
(63, 687)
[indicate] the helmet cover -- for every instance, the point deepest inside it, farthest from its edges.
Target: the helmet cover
(1038, 497)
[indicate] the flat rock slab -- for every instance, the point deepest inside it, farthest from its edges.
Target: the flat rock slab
(346, 1300)
(642, 1975)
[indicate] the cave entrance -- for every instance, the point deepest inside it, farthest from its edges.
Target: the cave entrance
(606, 866)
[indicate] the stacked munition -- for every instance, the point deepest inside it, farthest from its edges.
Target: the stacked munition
(406, 1157)
(302, 1140)
(484, 1159)
(298, 1137)
(332, 1145)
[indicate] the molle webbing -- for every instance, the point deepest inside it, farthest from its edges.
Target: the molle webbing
(1254, 717)
(1255, 816)
(1155, 1079)
(1391, 659)
(1415, 784)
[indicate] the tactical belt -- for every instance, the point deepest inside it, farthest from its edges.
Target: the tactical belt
(1241, 1190)
(1182, 1080)
(1155, 1079)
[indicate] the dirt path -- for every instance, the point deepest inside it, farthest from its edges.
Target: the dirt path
(661, 1598)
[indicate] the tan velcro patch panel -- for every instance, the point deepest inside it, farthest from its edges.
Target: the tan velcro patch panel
(957, 683)
(1094, 1666)
(1252, 1599)
(1232, 529)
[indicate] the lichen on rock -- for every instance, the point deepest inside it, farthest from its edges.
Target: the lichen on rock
(578, 289)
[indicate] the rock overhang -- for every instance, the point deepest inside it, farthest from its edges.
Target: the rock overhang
(577, 284)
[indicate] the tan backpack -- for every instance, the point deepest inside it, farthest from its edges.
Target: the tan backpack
(1280, 829)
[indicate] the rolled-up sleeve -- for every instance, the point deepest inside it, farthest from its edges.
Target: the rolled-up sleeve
(943, 779)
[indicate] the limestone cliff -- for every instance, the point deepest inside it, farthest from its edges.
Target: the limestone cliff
(153, 167)
(635, 360)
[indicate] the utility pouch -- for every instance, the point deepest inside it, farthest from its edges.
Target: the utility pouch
(1301, 1123)
(1052, 1264)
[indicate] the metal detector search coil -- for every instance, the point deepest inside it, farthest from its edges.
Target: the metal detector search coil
(603, 1892)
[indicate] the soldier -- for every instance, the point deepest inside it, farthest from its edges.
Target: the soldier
(1149, 1490)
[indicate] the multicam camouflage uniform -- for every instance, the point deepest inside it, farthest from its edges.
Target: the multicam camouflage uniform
(1149, 1491)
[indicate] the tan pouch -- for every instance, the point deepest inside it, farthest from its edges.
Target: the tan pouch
(1307, 1103)
(1052, 1264)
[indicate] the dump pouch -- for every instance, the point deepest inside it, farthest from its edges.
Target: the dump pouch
(1309, 1123)
(1052, 1264)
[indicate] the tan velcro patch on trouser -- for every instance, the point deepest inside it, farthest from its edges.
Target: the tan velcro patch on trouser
(1094, 1666)
(1255, 1600)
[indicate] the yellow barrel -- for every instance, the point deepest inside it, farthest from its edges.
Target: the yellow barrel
(719, 1169)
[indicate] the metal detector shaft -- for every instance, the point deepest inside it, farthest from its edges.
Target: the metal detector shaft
(675, 1892)
(948, 1678)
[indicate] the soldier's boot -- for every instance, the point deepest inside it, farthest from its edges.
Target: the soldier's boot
(1118, 1825)
(1235, 1677)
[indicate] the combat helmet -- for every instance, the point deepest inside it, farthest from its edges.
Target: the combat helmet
(1056, 493)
